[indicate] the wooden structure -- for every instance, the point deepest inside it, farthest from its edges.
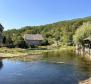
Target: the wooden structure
(33, 39)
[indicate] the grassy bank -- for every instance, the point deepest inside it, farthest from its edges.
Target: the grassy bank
(13, 52)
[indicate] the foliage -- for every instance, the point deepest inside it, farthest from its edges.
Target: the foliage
(19, 42)
(83, 32)
(45, 42)
(61, 31)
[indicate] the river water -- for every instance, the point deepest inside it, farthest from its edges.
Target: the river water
(50, 68)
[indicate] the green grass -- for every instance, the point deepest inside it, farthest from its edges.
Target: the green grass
(14, 52)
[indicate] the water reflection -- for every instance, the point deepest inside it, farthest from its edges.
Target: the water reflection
(58, 56)
(50, 68)
(27, 58)
(80, 64)
(1, 64)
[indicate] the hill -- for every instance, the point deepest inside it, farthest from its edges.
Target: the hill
(59, 32)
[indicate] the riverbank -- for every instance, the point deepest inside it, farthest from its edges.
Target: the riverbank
(84, 54)
(16, 52)
(88, 81)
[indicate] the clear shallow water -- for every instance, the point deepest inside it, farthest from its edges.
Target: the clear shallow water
(53, 68)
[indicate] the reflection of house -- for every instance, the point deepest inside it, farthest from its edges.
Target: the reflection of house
(33, 39)
(1, 64)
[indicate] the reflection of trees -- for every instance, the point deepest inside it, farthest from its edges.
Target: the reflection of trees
(84, 66)
(60, 56)
(1, 64)
(27, 58)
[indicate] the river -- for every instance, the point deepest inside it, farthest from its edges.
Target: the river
(51, 68)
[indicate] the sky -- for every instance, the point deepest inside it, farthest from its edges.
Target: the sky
(20, 13)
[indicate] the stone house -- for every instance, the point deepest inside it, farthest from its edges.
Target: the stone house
(1, 40)
(1, 36)
(33, 39)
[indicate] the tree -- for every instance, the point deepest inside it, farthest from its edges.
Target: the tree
(83, 32)
(7, 41)
(18, 41)
(61, 31)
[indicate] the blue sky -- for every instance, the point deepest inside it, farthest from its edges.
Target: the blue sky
(19, 13)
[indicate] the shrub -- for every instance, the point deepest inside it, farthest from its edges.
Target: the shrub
(83, 32)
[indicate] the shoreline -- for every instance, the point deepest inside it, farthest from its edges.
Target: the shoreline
(86, 56)
(17, 52)
(87, 81)
(37, 54)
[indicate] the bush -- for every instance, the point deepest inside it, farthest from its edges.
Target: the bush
(83, 32)
(45, 42)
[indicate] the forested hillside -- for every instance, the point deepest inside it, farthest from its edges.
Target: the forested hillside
(60, 32)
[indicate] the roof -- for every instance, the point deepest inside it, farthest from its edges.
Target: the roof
(88, 38)
(33, 37)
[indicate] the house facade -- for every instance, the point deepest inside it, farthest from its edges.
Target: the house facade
(33, 39)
